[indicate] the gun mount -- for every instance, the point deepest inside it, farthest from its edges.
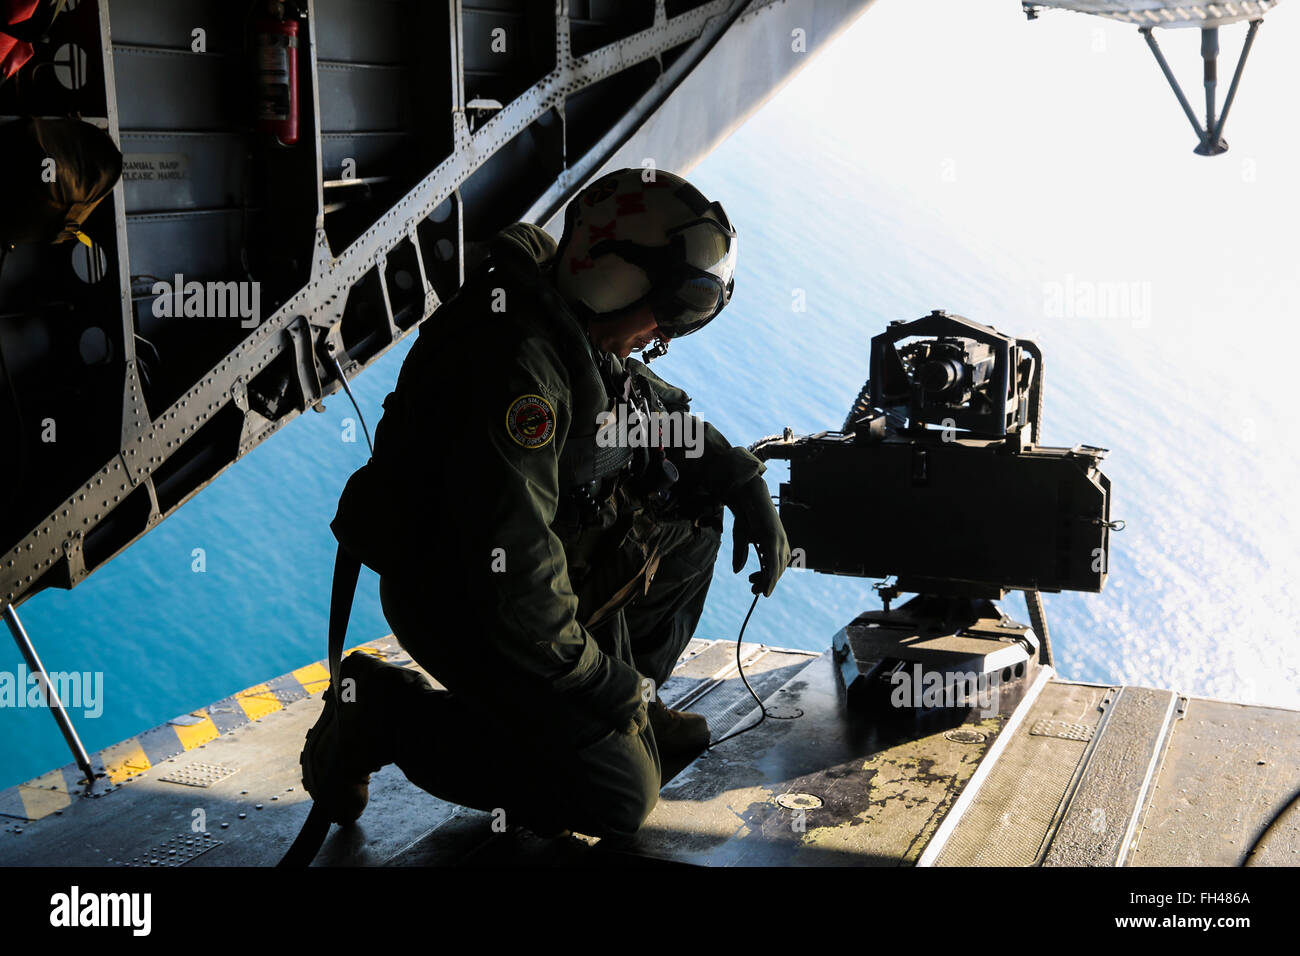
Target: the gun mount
(937, 480)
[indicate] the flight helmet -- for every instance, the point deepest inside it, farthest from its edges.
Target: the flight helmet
(639, 237)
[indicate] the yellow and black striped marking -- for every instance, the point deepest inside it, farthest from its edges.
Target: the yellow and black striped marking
(53, 791)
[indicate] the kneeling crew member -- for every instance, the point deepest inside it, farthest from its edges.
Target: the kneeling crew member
(548, 577)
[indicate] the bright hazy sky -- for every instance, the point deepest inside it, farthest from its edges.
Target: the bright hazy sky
(987, 117)
(959, 136)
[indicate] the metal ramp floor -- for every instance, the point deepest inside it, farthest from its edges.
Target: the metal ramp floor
(1058, 773)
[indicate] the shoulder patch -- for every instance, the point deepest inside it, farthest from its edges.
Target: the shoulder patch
(530, 420)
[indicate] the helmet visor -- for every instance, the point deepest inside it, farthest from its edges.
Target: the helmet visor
(695, 301)
(700, 293)
(707, 277)
(692, 276)
(708, 243)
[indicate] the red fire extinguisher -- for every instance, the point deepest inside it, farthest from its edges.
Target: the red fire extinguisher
(276, 56)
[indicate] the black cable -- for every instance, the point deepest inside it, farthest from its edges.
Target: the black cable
(1262, 840)
(763, 714)
(344, 380)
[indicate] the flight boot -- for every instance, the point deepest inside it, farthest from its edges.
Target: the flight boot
(681, 736)
(345, 747)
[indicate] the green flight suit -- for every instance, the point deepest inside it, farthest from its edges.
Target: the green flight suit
(542, 625)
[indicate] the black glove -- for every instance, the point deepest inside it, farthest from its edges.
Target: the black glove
(612, 698)
(757, 523)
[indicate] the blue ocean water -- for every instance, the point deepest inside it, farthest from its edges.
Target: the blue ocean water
(863, 218)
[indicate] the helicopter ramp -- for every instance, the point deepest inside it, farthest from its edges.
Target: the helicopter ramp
(1059, 774)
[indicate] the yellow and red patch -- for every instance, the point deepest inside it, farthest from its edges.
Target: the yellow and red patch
(530, 420)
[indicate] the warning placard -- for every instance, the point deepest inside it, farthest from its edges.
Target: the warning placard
(155, 167)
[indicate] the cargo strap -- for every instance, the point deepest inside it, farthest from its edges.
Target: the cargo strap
(347, 569)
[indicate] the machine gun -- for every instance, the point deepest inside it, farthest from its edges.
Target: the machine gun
(937, 479)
